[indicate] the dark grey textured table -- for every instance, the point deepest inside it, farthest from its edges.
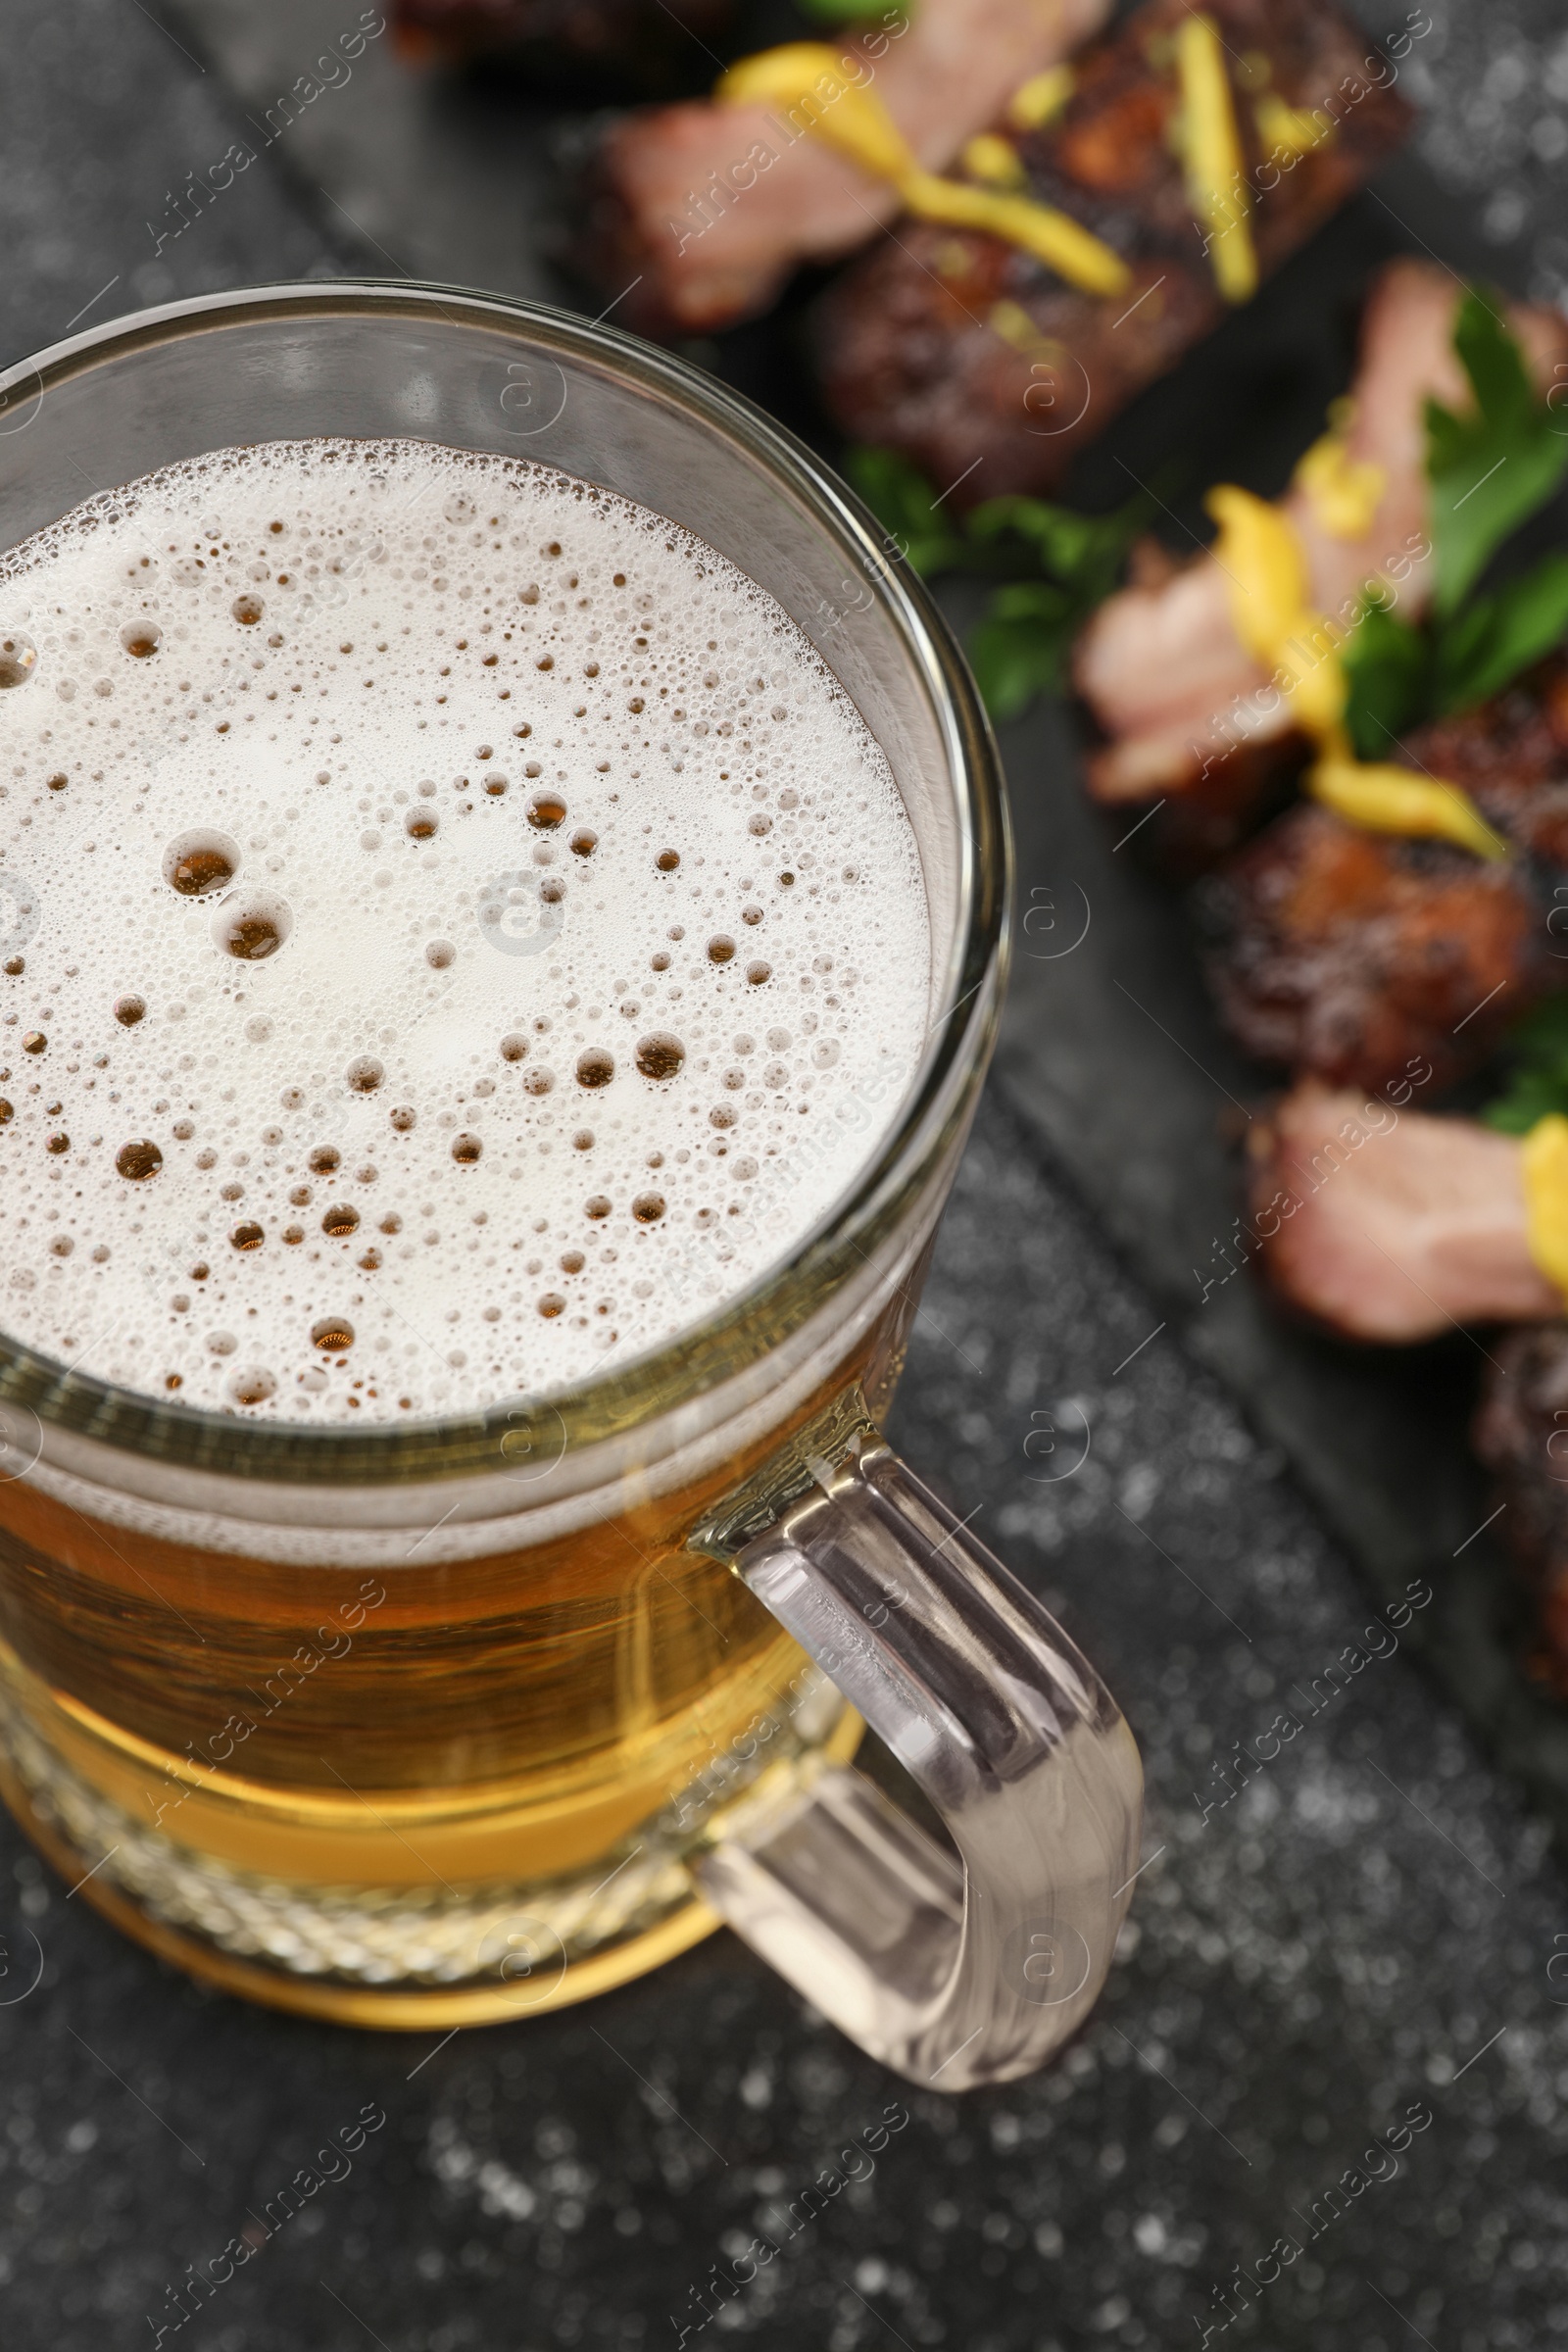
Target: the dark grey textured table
(1355, 1943)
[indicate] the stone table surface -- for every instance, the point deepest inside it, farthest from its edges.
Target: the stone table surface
(1334, 1978)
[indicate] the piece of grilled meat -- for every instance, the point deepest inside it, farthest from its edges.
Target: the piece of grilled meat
(1349, 954)
(965, 353)
(1169, 683)
(1510, 755)
(699, 214)
(1521, 1434)
(1385, 1224)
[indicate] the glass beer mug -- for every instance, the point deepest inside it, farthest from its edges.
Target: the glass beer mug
(413, 1726)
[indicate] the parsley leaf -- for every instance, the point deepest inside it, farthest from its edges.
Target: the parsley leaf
(1062, 540)
(1490, 470)
(1485, 647)
(1388, 666)
(839, 11)
(1062, 564)
(902, 499)
(1020, 648)
(1086, 551)
(1489, 473)
(1537, 1083)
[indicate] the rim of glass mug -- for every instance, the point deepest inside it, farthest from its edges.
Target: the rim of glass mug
(916, 1146)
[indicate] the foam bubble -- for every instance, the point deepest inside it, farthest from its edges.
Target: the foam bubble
(476, 935)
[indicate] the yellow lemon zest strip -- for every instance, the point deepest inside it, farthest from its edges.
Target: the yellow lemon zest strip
(1264, 558)
(1344, 492)
(1212, 152)
(993, 162)
(809, 78)
(1544, 1157)
(1297, 130)
(1258, 550)
(1043, 95)
(1392, 799)
(1053, 237)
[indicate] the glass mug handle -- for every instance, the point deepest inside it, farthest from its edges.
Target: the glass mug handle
(953, 1972)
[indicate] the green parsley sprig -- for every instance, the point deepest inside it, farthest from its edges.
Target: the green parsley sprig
(1537, 1077)
(849, 13)
(1494, 467)
(1489, 470)
(1066, 563)
(903, 500)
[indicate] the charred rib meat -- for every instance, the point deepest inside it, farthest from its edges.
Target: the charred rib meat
(1512, 757)
(954, 347)
(1350, 954)
(713, 207)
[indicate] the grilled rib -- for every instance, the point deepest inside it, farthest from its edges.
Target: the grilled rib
(964, 352)
(1510, 755)
(712, 207)
(1347, 954)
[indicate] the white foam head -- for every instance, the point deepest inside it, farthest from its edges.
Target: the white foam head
(446, 915)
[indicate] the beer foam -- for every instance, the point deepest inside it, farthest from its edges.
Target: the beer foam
(454, 932)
